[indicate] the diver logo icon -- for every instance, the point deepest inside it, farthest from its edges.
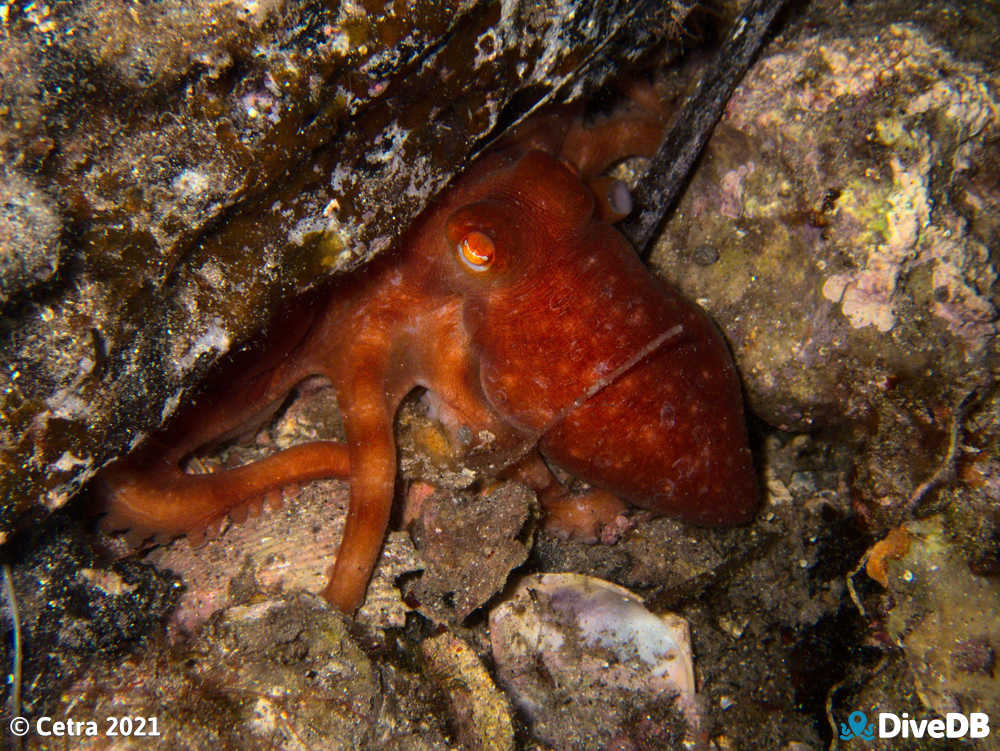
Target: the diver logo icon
(857, 727)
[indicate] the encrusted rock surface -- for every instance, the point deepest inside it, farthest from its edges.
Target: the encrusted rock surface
(950, 641)
(469, 545)
(281, 673)
(77, 608)
(840, 230)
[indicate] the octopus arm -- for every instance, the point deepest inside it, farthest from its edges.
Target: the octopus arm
(369, 401)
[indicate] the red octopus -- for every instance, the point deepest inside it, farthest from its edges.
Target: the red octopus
(516, 303)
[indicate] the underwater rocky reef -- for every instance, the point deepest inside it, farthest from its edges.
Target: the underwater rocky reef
(173, 173)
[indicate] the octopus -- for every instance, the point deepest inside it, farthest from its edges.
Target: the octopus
(541, 340)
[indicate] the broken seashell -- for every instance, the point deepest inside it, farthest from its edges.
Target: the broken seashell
(590, 666)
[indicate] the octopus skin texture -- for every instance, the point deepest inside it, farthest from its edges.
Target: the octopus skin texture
(532, 324)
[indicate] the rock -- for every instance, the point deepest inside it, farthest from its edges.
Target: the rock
(849, 194)
(76, 607)
(945, 618)
(274, 673)
(29, 237)
(479, 710)
(469, 545)
(852, 221)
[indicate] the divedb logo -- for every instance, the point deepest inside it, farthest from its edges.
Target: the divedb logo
(891, 725)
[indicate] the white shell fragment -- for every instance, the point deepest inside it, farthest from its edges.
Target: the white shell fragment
(563, 641)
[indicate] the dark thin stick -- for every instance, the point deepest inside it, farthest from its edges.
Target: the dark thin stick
(14, 701)
(692, 126)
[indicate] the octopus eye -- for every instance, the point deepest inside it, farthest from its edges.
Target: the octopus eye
(476, 250)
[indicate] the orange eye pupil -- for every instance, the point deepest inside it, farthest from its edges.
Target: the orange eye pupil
(477, 250)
